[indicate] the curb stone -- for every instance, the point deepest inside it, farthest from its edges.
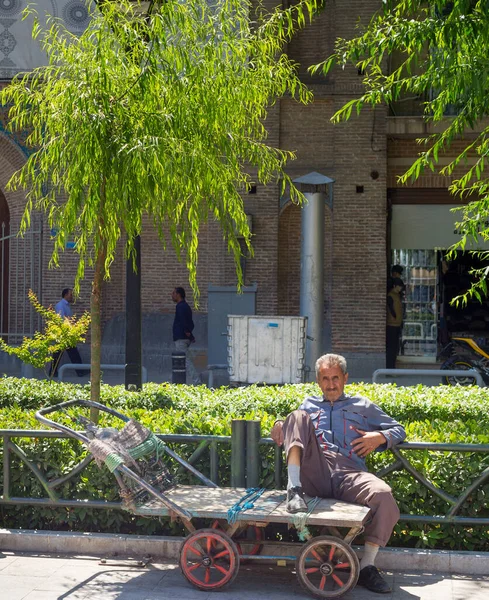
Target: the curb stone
(108, 544)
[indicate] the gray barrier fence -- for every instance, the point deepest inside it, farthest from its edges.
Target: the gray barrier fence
(429, 373)
(245, 444)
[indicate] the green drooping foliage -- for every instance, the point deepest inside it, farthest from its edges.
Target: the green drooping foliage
(155, 115)
(438, 414)
(160, 115)
(442, 45)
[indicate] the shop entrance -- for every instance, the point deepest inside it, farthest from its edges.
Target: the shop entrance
(432, 282)
(422, 226)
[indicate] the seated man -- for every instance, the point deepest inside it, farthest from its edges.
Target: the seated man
(326, 441)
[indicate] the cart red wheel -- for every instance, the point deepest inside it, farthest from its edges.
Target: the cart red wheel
(209, 559)
(327, 567)
(252, 539)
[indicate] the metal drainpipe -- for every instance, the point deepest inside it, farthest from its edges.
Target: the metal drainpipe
(312, 277)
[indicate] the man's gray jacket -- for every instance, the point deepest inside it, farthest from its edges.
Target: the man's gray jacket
(336, 422)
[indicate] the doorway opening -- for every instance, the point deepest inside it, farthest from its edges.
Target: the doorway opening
(470, 319)
(430, 318)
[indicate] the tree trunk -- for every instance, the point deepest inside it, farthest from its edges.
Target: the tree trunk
(96, 316)
(96, 331)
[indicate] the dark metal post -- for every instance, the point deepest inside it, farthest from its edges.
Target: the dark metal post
(279, 463)
(238, 453)
(214, 456)
(6, 468)
(253, 436)
(133, 371)
(178, 367)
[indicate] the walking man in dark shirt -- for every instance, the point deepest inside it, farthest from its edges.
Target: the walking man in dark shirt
(183, 326)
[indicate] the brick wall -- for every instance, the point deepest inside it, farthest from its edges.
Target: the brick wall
(403, 150)
(353, 154)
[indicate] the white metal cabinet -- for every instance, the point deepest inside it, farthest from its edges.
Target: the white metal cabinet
(266, 349)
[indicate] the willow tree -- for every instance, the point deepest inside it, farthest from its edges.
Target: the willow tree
(160, 115)
(442, 51)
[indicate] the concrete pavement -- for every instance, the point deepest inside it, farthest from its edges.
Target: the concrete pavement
(31, 576)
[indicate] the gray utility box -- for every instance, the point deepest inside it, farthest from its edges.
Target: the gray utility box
(266, 349)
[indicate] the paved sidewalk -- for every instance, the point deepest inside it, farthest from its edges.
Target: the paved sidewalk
(27, 576)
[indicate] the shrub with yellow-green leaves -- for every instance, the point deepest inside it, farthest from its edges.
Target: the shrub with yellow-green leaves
(59, 334)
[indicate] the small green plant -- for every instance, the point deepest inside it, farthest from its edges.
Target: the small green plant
(60, 333)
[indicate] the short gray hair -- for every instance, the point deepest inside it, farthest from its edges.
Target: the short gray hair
(331, 360)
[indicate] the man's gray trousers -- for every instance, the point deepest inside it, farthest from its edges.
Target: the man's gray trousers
(332, 475)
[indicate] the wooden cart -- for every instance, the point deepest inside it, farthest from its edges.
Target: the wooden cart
(326, 565)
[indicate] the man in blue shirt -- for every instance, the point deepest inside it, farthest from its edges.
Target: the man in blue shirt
(183, 326)
(63, 309)
(326, 441)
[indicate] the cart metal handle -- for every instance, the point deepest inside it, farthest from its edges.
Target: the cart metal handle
(180, 511)
(85, 440)
(72, 432)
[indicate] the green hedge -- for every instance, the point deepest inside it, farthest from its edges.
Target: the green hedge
(436, 414)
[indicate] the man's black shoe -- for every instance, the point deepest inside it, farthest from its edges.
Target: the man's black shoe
(295, 500)
(373, 580)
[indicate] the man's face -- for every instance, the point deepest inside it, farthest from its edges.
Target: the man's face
(69, 296)
(174, 296)
(332, 382)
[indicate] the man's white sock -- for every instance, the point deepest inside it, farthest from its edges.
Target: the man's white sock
(294, 472)
(369, 555)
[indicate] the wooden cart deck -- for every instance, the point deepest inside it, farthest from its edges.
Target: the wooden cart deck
(214, 503)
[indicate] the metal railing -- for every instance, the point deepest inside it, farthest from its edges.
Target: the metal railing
(104, 367)
(469, 373)
(11, 448)
(456, 503)
(245, 443)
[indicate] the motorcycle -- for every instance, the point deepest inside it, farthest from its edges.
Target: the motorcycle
(463, 354)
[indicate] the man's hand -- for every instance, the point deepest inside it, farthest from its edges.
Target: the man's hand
(277, 434)
(368, 442)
